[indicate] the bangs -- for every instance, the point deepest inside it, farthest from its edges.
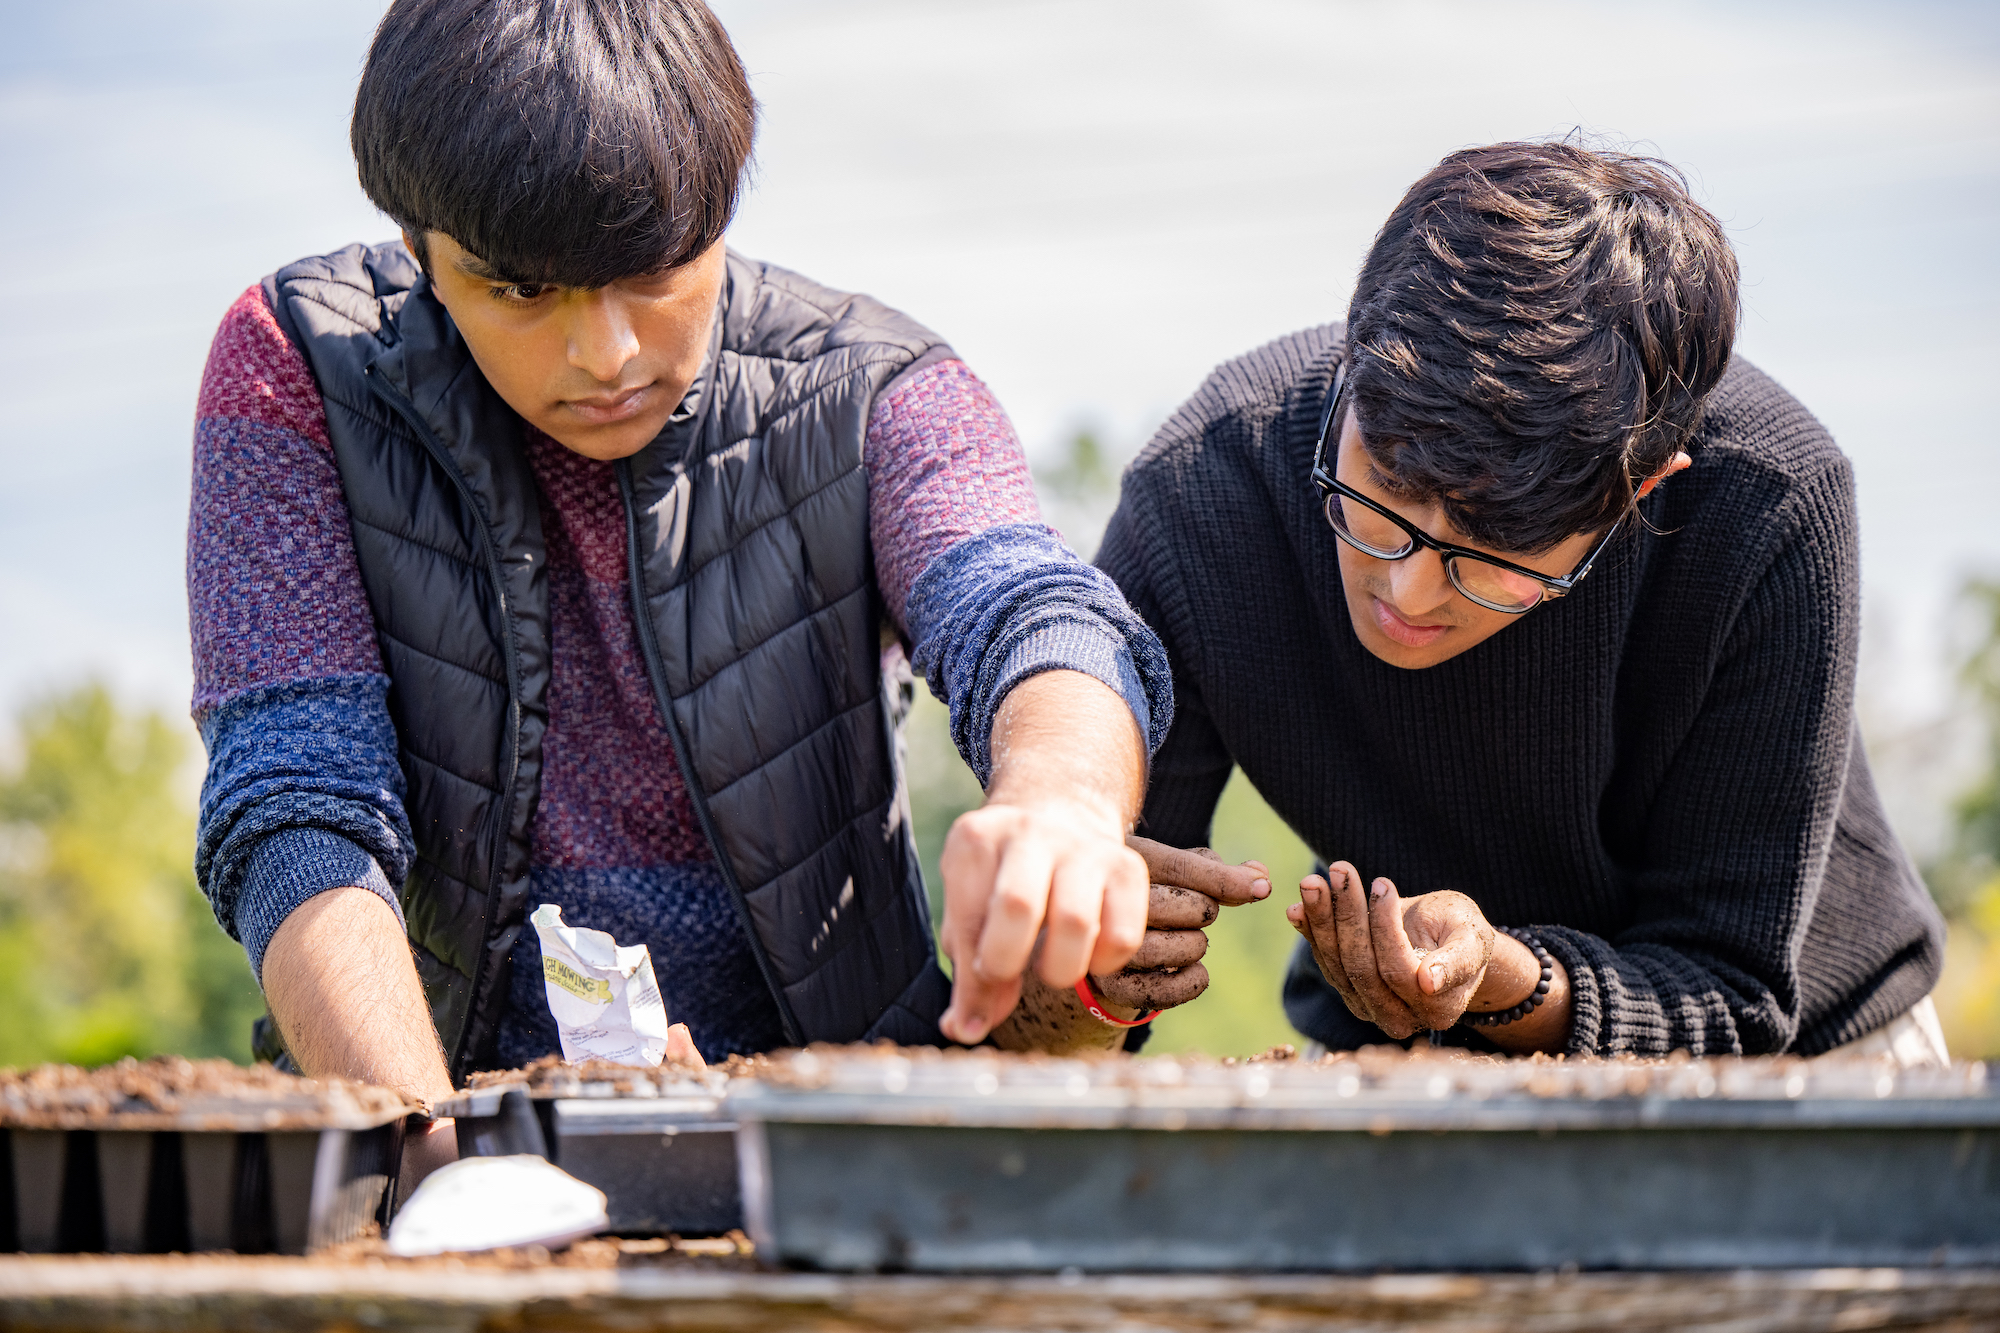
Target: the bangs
(561, 142)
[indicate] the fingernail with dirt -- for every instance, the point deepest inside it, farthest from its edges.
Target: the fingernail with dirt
(1260, 888)
(1437, 977)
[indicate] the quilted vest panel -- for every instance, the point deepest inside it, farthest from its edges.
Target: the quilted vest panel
(755, 603)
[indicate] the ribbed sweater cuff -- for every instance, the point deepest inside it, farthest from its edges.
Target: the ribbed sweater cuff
(1586, 994)
(295, 864)
(1084, 644)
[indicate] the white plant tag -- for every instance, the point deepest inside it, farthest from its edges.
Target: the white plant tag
(483, 1203)
(607, 1005)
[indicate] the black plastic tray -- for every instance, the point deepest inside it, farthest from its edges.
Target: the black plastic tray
(666, 1161)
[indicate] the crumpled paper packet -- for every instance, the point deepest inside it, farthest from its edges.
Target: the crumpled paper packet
(606, 1003)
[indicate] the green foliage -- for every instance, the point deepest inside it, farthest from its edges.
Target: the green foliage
(1968, 994)
(1967, 882)
(107, 947)
(1978, 810)
(941, 789)
(1078, 491)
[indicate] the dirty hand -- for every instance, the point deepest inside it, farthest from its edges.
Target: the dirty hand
(1403, 964)
(1051, 884)
(1189, 889)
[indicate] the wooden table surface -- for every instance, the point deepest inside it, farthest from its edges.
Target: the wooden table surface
(629, 1293)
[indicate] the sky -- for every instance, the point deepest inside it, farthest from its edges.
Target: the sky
(1095, 201)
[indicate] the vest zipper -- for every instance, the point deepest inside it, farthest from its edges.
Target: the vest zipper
(407, 410)
(649, 648)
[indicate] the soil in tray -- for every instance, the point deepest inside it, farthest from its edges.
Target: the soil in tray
(68, 1097)
(1421, 1071)
(550, 1074)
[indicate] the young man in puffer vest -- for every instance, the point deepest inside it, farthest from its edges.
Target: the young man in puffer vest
(559, 555)
(1623, 814)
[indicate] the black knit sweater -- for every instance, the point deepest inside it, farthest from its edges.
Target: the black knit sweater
(1660, 772)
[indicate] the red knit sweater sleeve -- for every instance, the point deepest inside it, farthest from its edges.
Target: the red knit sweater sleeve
(274, 590)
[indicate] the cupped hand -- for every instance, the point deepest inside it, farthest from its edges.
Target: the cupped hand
(1053, 882)
(1403, 964)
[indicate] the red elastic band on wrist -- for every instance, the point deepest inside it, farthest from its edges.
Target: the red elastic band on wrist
(1089, 999)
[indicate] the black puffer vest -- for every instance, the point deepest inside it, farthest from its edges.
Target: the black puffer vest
(754, 597)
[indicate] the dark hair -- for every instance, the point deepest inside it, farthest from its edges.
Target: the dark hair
(562, 141)
(1534, 333)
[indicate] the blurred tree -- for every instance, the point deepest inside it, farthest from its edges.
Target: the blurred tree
(1078, 491)
(1967, 881)
(107, 947)
(1979, 809)
(941, 789)
(1968, 994)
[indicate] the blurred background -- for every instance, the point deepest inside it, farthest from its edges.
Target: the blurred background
(1096, 201)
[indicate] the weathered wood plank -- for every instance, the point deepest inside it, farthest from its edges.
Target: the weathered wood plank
(191, 1295)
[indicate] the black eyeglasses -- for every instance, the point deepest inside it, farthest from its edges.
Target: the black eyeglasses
(1496, 584)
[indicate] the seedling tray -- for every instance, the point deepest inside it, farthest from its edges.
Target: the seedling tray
(656, 1142)
(877, 1160)
(175, 1155)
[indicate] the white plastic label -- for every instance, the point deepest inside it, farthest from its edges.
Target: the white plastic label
(607, 1005)
(482, 1203)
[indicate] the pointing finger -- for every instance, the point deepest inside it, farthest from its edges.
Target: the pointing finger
(1014, 913)
(977, 1006)
(970, 859)
(1075, 911)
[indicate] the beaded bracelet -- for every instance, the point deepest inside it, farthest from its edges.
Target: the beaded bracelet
(1535, 997)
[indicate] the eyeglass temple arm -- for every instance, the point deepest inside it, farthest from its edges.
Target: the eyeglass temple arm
(1326, 415)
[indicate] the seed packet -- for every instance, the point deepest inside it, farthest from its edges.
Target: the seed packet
(606, 1004)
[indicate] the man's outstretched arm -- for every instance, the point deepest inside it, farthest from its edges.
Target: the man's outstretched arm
(1057, 693)
(339, 980)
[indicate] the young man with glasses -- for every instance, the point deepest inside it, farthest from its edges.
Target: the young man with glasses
(1640, 818)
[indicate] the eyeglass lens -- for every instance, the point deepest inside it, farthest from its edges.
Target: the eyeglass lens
(1500, 589)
